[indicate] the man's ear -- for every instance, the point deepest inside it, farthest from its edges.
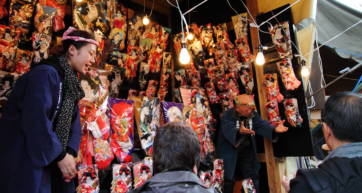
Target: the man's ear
(327, 132)
(195, 169)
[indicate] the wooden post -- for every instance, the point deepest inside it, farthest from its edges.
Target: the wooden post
(274, 179)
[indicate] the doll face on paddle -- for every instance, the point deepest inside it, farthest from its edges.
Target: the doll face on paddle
(81, 59)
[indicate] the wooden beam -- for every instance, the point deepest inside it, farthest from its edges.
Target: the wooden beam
(160, 6)
(274, 180)
(261, 157)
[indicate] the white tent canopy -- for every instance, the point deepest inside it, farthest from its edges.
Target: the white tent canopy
(333, 18)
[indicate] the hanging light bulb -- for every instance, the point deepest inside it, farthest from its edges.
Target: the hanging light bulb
(146, 20)
(79, 1)
(184, 57)
(260, 59)
(305, 71)
(190, 36)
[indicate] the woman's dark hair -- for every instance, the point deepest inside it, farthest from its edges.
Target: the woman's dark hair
(176, 147)
(342, 113)
(77, 44)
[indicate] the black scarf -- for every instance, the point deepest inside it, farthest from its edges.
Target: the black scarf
(72, 92)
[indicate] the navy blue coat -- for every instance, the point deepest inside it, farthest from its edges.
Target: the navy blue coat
(28, 144)
(227, 139)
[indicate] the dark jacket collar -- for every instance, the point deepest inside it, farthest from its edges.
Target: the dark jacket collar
(176, 177)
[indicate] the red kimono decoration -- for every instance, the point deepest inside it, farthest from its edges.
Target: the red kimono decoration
(98, 122)
(155, 58)
(177, 43)
(3, 10)
(286, 71)
(198, 115)
(121, 117)
(248, 186)
(240, 23)
(194, 76)
(232, 62)
(227, 101)
(42, 37)
(218, 174)
(103, 154)
(85, 14)
(59, 6)
(21, 13)
(272, 111)
(181, 78)
(164, 38)
(207, 178)
(232, 87)
(132, 62)
(9, 36)
(211, 93)
(86, 151)
(135, 31)
(142, 171)
(281, 38)
(292, 112)
(150, 37)
(222, 37)
(198, 123)
(88, 181)
(272, 88)
(7, 56)
(206, 36)
(7, 82)
(195, 47)
(243, 49)
(149, 122)
(246, 77)
(118, 33)
(165, 76)
(23, 60)
(122, 178)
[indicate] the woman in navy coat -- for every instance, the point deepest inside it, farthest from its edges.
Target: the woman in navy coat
(40, 125)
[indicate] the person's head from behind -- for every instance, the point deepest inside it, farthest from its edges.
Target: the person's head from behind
(176, 147)
(80, 49)
(341, 119)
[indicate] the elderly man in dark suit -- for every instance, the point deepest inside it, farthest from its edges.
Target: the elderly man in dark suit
(236, 141)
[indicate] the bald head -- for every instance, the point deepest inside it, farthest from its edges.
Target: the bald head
(244, 105)
(244, 99)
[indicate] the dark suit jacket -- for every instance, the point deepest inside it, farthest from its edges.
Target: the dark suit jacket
(228, 137)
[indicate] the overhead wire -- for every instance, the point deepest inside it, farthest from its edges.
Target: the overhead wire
(153, 5)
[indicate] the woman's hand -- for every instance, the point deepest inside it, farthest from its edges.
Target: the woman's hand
(68, 167)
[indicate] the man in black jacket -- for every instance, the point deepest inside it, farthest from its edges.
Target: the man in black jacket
(341, 170)
(176, 152)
